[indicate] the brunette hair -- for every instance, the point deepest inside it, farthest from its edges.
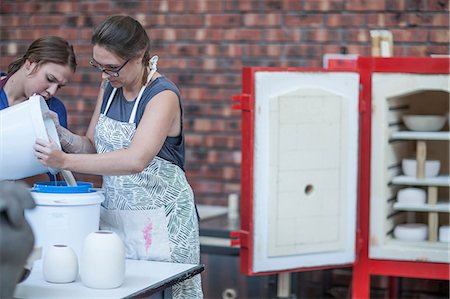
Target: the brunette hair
(47, 49)
(125, 37)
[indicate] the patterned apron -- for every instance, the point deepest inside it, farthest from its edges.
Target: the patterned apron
(152, 211)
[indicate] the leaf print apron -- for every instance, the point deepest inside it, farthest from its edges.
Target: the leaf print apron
(152, 211)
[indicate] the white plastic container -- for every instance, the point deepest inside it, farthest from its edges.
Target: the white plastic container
(64, 215)
(20, 125)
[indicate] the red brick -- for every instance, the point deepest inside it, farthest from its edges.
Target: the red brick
(363, 50)
(335, 49)
(416, 5)
(176, 6)
(6, 8)
(46, 20)
(152, 19)
(96, 6)
(412, 35)
(13, 20)
(241, 5)
(242, 35)
(304, 50)
(428, 19)
(291, 5)
(231, 50)
(223, 20)
(262, 20)
(304, 20)
(345, 20)
(438, 5)
(322, 35)
(282, 35)
(364, 5)
(438, 49)
(382, 20)
(182, 20)
(323, 5)
(395, 5)
(439, 36)
(357, 35)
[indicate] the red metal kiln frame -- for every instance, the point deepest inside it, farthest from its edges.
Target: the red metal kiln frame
(363, 266)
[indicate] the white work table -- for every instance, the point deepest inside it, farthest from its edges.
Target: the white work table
(142, 279)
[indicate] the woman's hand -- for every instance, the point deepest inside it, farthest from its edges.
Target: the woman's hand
(49, 154)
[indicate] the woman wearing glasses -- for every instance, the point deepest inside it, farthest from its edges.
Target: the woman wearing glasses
(46, 67)
(137, 132)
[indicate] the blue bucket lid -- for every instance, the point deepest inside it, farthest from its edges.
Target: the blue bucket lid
(61, 187)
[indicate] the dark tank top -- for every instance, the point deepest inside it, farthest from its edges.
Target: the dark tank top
(173, 148)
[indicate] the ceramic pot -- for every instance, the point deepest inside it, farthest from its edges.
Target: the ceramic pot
(103, 260)
(60, 264)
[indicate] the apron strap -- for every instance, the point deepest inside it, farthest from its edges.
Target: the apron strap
(111, 97)
(153, 66)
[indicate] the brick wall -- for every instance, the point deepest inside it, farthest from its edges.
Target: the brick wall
(204, 44)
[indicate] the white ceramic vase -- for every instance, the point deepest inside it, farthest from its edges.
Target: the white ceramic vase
(60, 264)
(102, 260)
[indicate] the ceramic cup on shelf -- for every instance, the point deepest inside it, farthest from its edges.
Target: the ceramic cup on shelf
(60, 264)
(102, 260)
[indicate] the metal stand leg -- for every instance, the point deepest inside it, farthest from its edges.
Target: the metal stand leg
(393, 287)
(284, 285)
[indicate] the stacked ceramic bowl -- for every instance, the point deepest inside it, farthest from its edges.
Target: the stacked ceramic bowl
(432, 167)
(415, 196)
(411, 232)
(424, 123)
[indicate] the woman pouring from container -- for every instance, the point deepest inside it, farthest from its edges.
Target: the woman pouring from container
(44, 69)
(136, 133)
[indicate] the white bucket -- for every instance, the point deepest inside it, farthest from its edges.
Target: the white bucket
(63, 215)
(20, 125)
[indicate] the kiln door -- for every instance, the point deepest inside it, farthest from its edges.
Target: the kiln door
(305, 164)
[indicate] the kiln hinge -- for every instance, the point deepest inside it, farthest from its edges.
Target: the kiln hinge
(239, 238)
(242, 102)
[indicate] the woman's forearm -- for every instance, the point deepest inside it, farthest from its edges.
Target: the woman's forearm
(119, 162)
(72, 143)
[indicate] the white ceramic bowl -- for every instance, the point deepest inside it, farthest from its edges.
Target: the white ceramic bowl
(409, 167)
(444, 233)
(424, 123)
(411, 232)
(412, 196)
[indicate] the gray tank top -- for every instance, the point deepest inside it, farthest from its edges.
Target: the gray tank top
(173, 148)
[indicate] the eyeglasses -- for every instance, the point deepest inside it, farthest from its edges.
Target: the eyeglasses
(113, 72)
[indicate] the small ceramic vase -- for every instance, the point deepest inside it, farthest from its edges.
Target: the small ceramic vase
(102, 260)
(60, 264)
